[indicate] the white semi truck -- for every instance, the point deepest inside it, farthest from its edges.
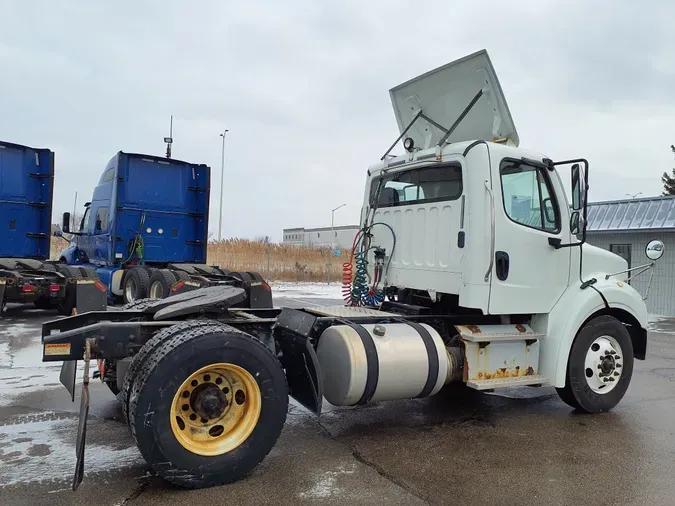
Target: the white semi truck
(470, 267)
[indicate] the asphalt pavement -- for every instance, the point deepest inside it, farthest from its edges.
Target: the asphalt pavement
(458, 447)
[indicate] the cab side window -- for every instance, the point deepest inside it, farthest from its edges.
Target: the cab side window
(101, 220)
(108, 175)
(528, 196)
(419, 186)
(84, 224)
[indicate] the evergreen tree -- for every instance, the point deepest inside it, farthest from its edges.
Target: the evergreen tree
(669, 181)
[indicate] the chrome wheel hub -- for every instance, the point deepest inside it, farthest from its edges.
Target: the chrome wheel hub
(604, 364)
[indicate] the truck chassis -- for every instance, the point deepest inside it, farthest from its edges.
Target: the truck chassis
(205, 385)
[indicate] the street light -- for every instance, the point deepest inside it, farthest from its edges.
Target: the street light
(633, 195)
(332, 240)
(332, 222)
(222, 177)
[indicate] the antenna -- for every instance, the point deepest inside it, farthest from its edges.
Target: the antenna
(169, 139)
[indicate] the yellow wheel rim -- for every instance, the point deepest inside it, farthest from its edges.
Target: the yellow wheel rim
(215, 409)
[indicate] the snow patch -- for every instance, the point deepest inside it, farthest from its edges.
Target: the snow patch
(16, 382)
(43, 451)
(307, 290)
(327, 484)
(15, 330)
(5, 356)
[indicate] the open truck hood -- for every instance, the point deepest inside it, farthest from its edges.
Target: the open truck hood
(444, 93)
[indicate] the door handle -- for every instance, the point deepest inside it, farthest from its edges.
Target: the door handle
(502, 265)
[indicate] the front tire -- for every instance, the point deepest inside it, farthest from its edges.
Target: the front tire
(208, 405)
(600, 366)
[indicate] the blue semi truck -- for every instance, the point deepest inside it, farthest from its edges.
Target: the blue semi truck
(145, 233)
(26, 273)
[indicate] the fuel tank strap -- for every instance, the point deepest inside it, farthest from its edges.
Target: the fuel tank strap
(372, 363)
(432, 354)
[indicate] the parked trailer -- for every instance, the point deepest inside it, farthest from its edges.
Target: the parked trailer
(26, 274)
(470, 267)
(145, 232)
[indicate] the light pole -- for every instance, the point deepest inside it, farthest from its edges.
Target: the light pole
(222, 177)
(332, 240)
(332, 223)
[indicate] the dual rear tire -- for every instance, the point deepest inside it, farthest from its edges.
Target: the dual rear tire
(140, 283)
(204, 413)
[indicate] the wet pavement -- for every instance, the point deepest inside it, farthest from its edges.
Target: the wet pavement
(458, 447)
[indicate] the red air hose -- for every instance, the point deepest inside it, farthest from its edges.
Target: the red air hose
(347, 274)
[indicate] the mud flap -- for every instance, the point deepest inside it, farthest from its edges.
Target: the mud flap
(260, 296)
(2, 294)
(82, 425)
(90, 295)
(67, 377)
(303, 371)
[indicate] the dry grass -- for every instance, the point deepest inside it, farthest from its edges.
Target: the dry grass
(286, 263)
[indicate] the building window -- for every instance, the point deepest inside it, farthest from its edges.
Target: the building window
(528, 196)
(623, 250)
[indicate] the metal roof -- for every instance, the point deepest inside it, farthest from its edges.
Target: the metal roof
(632, 215)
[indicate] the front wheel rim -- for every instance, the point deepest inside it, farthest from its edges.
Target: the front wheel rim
(215, 409)
(603, 367)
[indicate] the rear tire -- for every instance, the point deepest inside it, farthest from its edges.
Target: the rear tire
(256, 276)
(181, 275)
(585, 386)
(244, 277)
(148, 348)
(139, 305)
(160, 384)
(161, 282)
(136, 284)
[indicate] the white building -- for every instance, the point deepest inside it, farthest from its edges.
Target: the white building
(625, 227)
(342, 237)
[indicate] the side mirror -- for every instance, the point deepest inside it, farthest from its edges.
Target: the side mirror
(578, 187)
(654, 249)
(65, 225)
(575, 229)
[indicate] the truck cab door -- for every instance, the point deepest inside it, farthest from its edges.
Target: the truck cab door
(100, 242)
(85, 238)
(528, 275)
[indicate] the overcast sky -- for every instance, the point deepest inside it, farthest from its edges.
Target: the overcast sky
(303, 88)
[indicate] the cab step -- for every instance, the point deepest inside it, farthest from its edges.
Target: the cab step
(492, 333)
(520, 381)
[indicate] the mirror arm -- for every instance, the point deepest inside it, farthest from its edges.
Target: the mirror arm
(557, 242)
(644, 268)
